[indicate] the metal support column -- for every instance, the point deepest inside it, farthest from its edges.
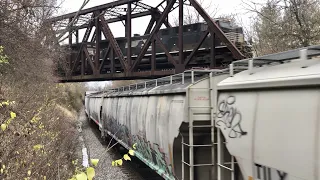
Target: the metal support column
(180, 65)
(77, 36)
(219, 154)
(153, 56)
(82, 64)
(98, 40)
(191, 148)
(213, 100)
(128, 34)
(70, 48)
(112, 61)
(181, 58)
(213, 62)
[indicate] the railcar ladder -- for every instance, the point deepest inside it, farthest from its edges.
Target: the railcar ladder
(221, 164)
(214, 141)
(191, 144)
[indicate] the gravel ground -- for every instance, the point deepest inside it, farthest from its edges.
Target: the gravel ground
(89, 137)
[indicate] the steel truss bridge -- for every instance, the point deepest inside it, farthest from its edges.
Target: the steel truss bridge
(92, 58)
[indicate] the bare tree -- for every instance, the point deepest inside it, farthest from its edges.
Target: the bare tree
(62, 32)
(191, 16)
(281, 25)
(35, 130)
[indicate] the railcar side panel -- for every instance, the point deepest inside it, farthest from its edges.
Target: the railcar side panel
(86, 105)
(287, 119)
(273, 134)
(149, 122)
(235, 118)
(95, 106)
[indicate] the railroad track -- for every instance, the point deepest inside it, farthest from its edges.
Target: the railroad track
(134, 169)
(139, 170)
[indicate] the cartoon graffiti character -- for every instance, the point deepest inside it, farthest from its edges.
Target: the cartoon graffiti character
(230, 117)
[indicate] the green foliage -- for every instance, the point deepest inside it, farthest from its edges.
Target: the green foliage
(34, 134)
(89, 173)
(125, 157)
(3, 58)
(38, 133)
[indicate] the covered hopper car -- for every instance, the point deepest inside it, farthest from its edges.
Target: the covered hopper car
(261, 123)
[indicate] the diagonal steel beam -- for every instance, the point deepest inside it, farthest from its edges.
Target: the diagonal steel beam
(203, 37)
(85, 39)
(154, 31)
(117, 19)
(89, 60)
(215, 29)
(163, 47)
(104, 58)
(177, 6)
(158, 14)
(143, 5)
(167, 24)
(108, 34)
(160, 4)
(93, 39)
(150, 25)
(90, 10)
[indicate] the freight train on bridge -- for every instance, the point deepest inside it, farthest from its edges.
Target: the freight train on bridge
(192, 33)
(158, 52)
(258, 119)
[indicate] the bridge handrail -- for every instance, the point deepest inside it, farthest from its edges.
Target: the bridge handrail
(287, 56)
(191, 74)
(172, 79)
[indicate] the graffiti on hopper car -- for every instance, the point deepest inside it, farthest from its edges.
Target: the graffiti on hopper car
(267, 173)
(151, 152)
(230, 117)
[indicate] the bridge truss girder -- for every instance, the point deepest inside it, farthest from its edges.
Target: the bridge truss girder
(83, 66)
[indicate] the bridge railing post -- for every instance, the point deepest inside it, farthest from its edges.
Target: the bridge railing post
(183, 78)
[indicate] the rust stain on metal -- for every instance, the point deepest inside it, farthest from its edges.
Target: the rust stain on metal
(171, 157)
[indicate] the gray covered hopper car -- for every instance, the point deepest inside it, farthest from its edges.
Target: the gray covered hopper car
(157, 116)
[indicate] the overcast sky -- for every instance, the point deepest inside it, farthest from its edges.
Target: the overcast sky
(139, 25)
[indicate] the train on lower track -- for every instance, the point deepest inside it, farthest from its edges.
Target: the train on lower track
(257, 120)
